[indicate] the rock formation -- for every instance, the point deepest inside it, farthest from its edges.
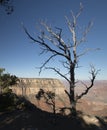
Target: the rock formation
(28, 86)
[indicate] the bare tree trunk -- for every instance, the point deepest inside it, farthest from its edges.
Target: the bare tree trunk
(54, 108)
(72, 91)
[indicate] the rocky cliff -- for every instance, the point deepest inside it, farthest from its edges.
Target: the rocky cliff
(28, 86)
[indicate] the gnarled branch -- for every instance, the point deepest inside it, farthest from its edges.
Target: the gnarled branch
(59, 73)
(93, 73)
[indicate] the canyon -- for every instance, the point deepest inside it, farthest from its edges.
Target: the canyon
(95, 102)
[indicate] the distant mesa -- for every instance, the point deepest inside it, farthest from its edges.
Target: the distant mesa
(27, 86)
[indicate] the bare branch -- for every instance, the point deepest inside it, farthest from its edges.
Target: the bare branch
(42, 43)
(72, 27)
(81, 9)
(47, 61)
(83, 53)
(55, 35)
(93, 73)
(58, 37)
(65, 64)
(86, 51)
(67, 93)
(87, 29)
(84, 84)
(58, 72)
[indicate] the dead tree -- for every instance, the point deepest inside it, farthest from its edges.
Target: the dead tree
(52, 41)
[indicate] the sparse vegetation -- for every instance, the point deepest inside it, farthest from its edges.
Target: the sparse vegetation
(7, 98)
(49, 97)
(6, 80)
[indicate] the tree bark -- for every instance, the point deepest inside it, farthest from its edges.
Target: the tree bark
(72, 90)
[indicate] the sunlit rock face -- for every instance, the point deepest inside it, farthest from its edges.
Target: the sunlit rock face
(27, 86)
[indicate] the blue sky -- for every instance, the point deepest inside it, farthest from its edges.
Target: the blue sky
(19, 56)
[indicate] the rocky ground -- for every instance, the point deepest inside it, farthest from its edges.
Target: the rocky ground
(35, 119)
(31, 117)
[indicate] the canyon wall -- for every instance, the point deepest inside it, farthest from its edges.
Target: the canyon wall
(27, 86)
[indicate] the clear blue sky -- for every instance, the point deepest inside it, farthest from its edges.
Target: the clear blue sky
(20, 57)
